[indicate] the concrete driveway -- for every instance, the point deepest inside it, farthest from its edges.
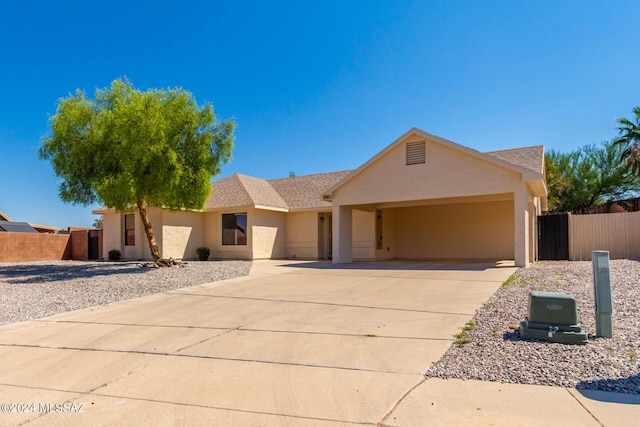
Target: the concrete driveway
(294, 344)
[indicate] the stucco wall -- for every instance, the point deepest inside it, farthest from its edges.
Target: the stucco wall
(269, 234)
(364, 245)
(20, 247)
(466, 230)
(446, 173)
(79, 244)
(302, 235)
(182, 234)
(113, 233)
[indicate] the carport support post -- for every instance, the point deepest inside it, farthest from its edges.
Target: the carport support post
(521, 227)
(342, 235)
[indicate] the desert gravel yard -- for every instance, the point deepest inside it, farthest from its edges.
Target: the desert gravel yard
(496, 353)
(33, 290)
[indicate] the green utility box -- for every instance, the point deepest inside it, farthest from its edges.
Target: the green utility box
(553, 317)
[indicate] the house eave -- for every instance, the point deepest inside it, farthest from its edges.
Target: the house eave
(246, 207)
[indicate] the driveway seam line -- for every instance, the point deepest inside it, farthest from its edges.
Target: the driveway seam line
(237, 328)
(345, 335)
(568, 390)
(194, 356)
(332, 304)
(141, 325)
(85, 393)
(399, 401)
(369, 276)
(231, 409)
(240, 328)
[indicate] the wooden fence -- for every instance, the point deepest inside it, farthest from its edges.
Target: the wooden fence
(618, 233)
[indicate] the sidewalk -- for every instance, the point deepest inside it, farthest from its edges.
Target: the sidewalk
(439, 402)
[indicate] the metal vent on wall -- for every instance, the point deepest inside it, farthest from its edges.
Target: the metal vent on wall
(416, 153)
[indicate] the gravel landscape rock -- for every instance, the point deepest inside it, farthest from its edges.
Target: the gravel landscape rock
(37, 289)
(495, 351)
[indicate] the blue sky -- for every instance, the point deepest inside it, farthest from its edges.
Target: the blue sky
(320, 86)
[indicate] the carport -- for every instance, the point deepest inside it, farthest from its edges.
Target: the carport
(433, 199)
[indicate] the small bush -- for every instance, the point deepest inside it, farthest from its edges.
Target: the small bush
(114, 255)
(203, 253)
(462, 339)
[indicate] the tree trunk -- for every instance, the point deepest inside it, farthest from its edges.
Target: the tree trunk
(153, 246)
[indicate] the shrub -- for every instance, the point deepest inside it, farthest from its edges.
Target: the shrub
(114, 255)
(203, 253)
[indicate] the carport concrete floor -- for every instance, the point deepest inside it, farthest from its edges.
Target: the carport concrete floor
(292, 344)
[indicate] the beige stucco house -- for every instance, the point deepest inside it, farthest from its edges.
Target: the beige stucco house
(422, 197)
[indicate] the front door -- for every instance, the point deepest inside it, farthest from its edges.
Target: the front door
(330, 236)
(325, 241)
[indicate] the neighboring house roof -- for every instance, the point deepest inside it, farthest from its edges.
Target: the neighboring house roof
(531, 158)
(44, 228)
(5, 217)
(38, 228)
(16, 227)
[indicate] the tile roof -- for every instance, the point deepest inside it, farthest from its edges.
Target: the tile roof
(298, 192)
(530, 158)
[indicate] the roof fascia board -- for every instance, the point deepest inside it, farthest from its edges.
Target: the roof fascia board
(5, 216)
(271, 208)
(312, 209)
(230, 208)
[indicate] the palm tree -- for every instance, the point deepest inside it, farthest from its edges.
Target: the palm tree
(630, 138)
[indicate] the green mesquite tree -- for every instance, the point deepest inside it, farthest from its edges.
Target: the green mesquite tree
(588, 176)
(132, 150)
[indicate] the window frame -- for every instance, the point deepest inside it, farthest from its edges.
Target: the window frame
(240, 237)
(129, 229)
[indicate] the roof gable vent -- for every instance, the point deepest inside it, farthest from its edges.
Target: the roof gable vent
(416, 153)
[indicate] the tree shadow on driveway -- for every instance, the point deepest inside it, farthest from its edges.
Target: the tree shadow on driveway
(43, 272)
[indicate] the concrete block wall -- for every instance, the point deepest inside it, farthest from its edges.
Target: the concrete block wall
(21, 247)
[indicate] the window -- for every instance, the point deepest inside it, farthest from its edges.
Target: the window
(416, 153)
(234, 229)
(129, 230)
